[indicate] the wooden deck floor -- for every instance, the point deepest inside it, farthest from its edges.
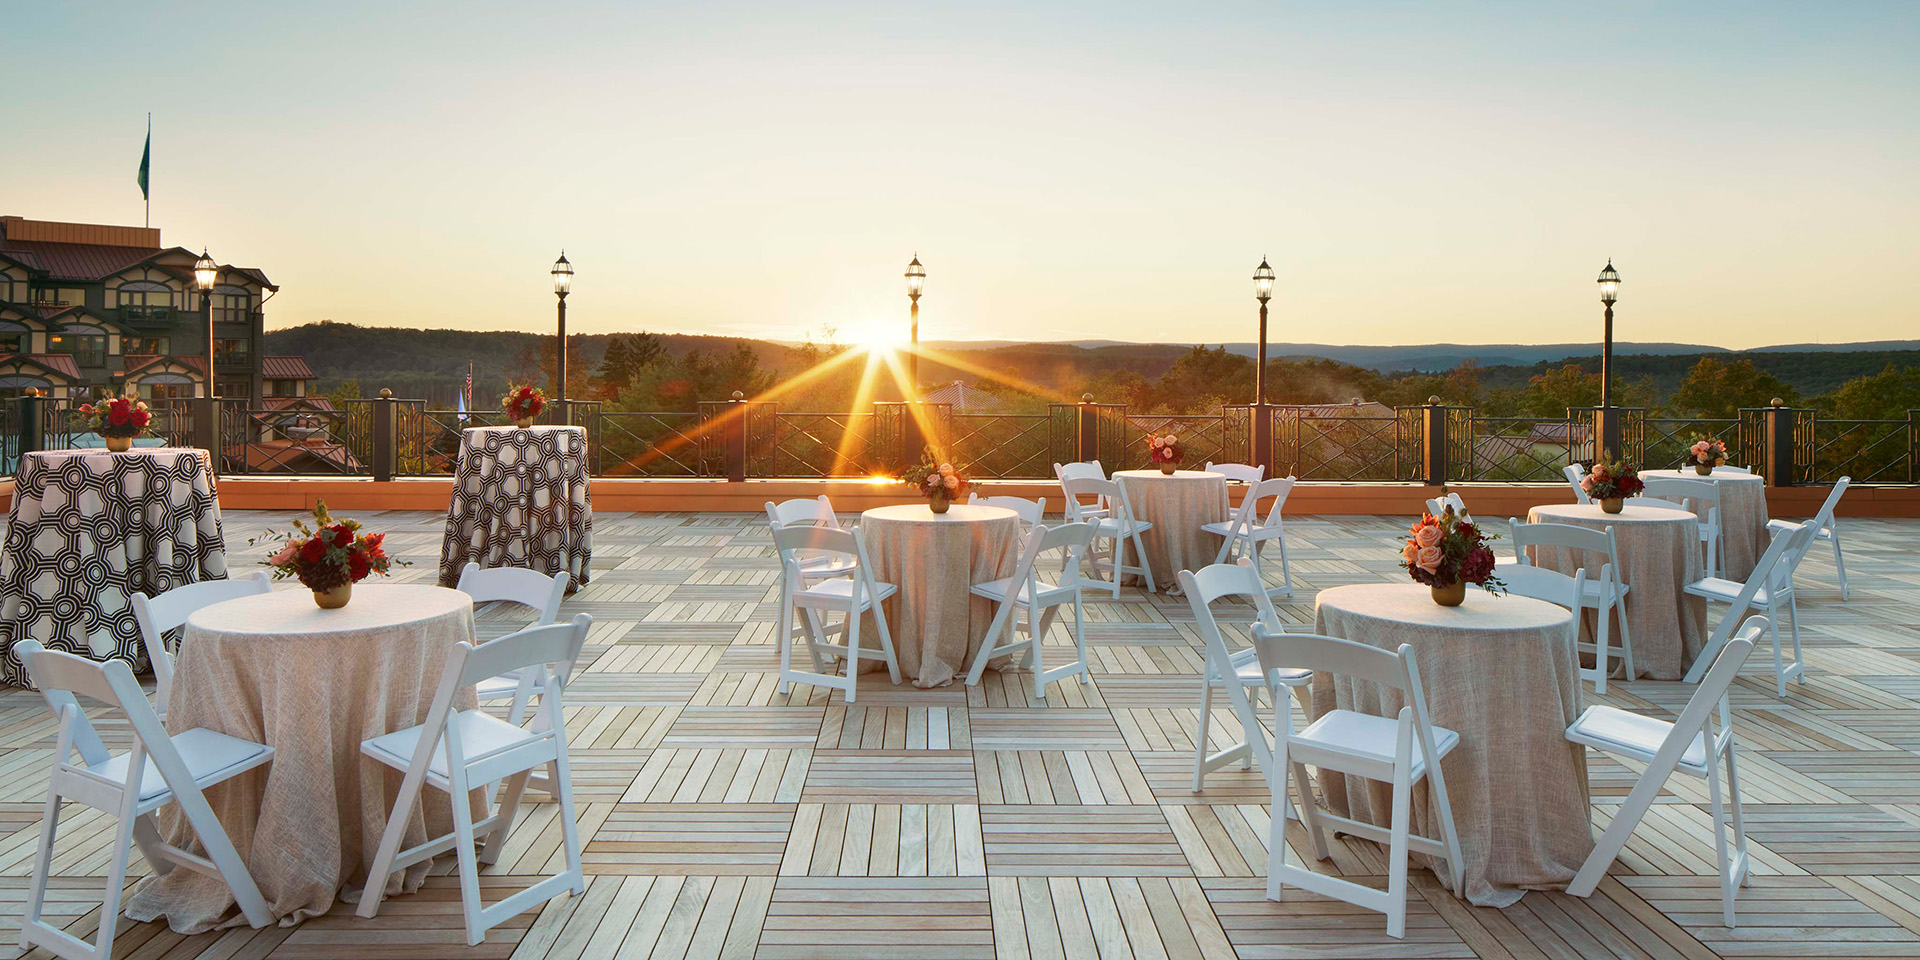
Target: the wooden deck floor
(723, 819)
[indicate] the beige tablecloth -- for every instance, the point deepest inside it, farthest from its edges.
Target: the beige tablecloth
(1176, 506)
(1499, 672)
(938, 625)
(1743, 515)
(1659, 556)
(312, 684)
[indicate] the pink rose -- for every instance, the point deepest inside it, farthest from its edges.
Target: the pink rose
(1601, 473)
(1428, 558)
(1171, 439)
(285, 555)
(1409, 552)
(1427, 537)
(946, 469)
(953, 482)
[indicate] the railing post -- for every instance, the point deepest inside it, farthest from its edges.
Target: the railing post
(33, 422)
(1260, 437)
(1778, 437)
(735, 434)
(1433, 442)
(386, 435)
(206, 426)
(1913, 446)
(1087, 436)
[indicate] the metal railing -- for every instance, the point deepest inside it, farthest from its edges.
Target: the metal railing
(1202, 437)
(1002, 446)
(1527, 449)
(1667, 440)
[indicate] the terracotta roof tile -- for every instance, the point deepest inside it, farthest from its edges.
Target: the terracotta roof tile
(285, 368)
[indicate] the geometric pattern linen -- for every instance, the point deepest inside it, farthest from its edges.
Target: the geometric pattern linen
(520, 499)
(87, 529)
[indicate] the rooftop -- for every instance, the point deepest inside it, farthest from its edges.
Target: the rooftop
(978, 822)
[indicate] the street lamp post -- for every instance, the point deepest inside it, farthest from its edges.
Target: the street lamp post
(562, 283)
(1609, 432)
(916, 279)
(1262, 438)
(207, 412)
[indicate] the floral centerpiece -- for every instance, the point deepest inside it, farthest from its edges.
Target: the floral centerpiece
(1166, 451)
(938, 481)
(1448, 552)
(1611, 483)
(522, 403)
(328, 555)
(1705, 454)
(118, 420)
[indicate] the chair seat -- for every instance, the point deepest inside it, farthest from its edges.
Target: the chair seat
(480, 733)
(1229, 528)
(839, 590)
(1367, 737)
(1726, 591)
(1633, 736)
(1050, 594)
(210, 758)
(1110, 527)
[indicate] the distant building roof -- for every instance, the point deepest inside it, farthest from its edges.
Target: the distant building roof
(75, 261)
(135, 362)
(90, 252)
(57, 362)
(285, 368)
(965, 399)
(314, 402)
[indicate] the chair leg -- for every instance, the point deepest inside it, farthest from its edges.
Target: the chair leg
(496, 839)
(1626, 635)
(1286, 569)
(1779, 667)
(561, 770)
(465, 856)
(1449, 834)
(1397, 854)
(886, 642)
(1739, 818)
(1080, 640)
(1720, 843)
(1206, 722)
(1602, 658)
(1839, 563)
(1277, 818)
(1793, 624)
(382, 869)
(853, 650)
(785, 639)
(1146, 568)
(116, 877)
(42, 863)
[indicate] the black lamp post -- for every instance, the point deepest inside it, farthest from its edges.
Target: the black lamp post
(207, 412)
(1263, 291)
(916, 279)
(1610, 432)
(562, 283)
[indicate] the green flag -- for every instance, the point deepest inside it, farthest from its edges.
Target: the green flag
(146, 155)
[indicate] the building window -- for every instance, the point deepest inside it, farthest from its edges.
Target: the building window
(235, 352)
(232, 305)
(88, 350)
(10, 289)
(145, 300)
(14, 338)
(144, 346)
(236, 389)
(166, 391)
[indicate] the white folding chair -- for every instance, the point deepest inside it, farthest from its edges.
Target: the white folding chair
(1032, 513)
(1238, 472)
(1769, 589)
(1689, 745)
(1825, 529)
(1703, 498)
(817, 512)
(528, 588)
(1236, 671)
(456, 751)
(851, 595)
(1248, 531)
(1025, 593)
(1557, 588)
(1437, 506)
(1575, 473)
(157, 616)
(1400, 751)
(1602, 593)
(129, 787)
(1115, 525)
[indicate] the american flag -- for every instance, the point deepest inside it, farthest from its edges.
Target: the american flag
(469, 391)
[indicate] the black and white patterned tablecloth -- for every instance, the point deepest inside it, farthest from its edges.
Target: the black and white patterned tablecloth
(520, 500)
(86, 530)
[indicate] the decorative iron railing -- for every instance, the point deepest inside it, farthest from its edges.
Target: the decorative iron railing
(1202, 436)
(823, 445)
(650, 445)
(1668, 439)
(294, 441)
(1347, 447)
(1526, 449)
(1002, 446)
(1868, 451)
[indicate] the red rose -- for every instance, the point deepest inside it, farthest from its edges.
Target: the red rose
(341, 535)
(313, 550)
(117, 414)
(356, 566)
(141, 418)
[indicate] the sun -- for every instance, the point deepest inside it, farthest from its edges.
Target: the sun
(879, 337)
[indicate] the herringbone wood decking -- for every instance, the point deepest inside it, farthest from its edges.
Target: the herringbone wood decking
(724, 819)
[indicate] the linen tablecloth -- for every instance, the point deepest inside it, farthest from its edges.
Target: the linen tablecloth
(87, 530)
(1743, 515)
(312, 684)
(1176, 506)
(1659, 556)
(520, 499)
(937, 623)
(1499, 672)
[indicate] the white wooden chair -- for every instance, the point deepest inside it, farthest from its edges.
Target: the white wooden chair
(1115, 525)
(541, 593)
(456, 751)
(1400, 750)
(1575, 473)
(1237, 671)
(1238, 472)
(1689, 745)
(1032, 513)
(1248, 531)
(1602, 593)
(1769, 590)
(817, 512)
(1826, 529)
(157, 616)
(1025, 593)
(850, 595)
(129, 788)
(1437, 506)
(1557, 588)
(1696, 495)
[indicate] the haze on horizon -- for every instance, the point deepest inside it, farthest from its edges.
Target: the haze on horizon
(1416, 172)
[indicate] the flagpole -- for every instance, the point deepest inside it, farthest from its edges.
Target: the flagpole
(146, 193)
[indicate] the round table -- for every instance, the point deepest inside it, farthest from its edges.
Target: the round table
(1176, 504)
(1499, 671)
(1659, 556)
(89, 528)
(935, 558)
(311, 683)
(1743, 516)
(520, 499)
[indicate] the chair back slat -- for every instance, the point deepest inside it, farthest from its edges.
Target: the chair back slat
(1276, 489)
(1575, 473)
(516, 585)
(1079, 470)
(1072, 537)
(541, 646)
(1437, 506)
(1238, 472)
(1308, 651)
(62, 678)
(1680, 488)
(1030, 512)
(788, 539)
(818, 511)
(170, 610)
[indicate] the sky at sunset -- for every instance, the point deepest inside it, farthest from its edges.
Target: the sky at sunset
(1415, 171)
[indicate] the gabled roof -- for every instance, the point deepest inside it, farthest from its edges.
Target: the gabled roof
(75, 261)
(311, 402)
(964, 399)
(56, 363)
(286, 368)
(83, 314)
(135, 362)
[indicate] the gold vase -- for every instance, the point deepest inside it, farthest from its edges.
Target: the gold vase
(1451, 595)
(119, 444)
(1168, 468)
(1703, 469)
(333, 599)
(524, 422)
(938, 504)
(1612, 504)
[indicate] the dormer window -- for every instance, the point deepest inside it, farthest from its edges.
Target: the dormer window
(232, 304)
(145, 300)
